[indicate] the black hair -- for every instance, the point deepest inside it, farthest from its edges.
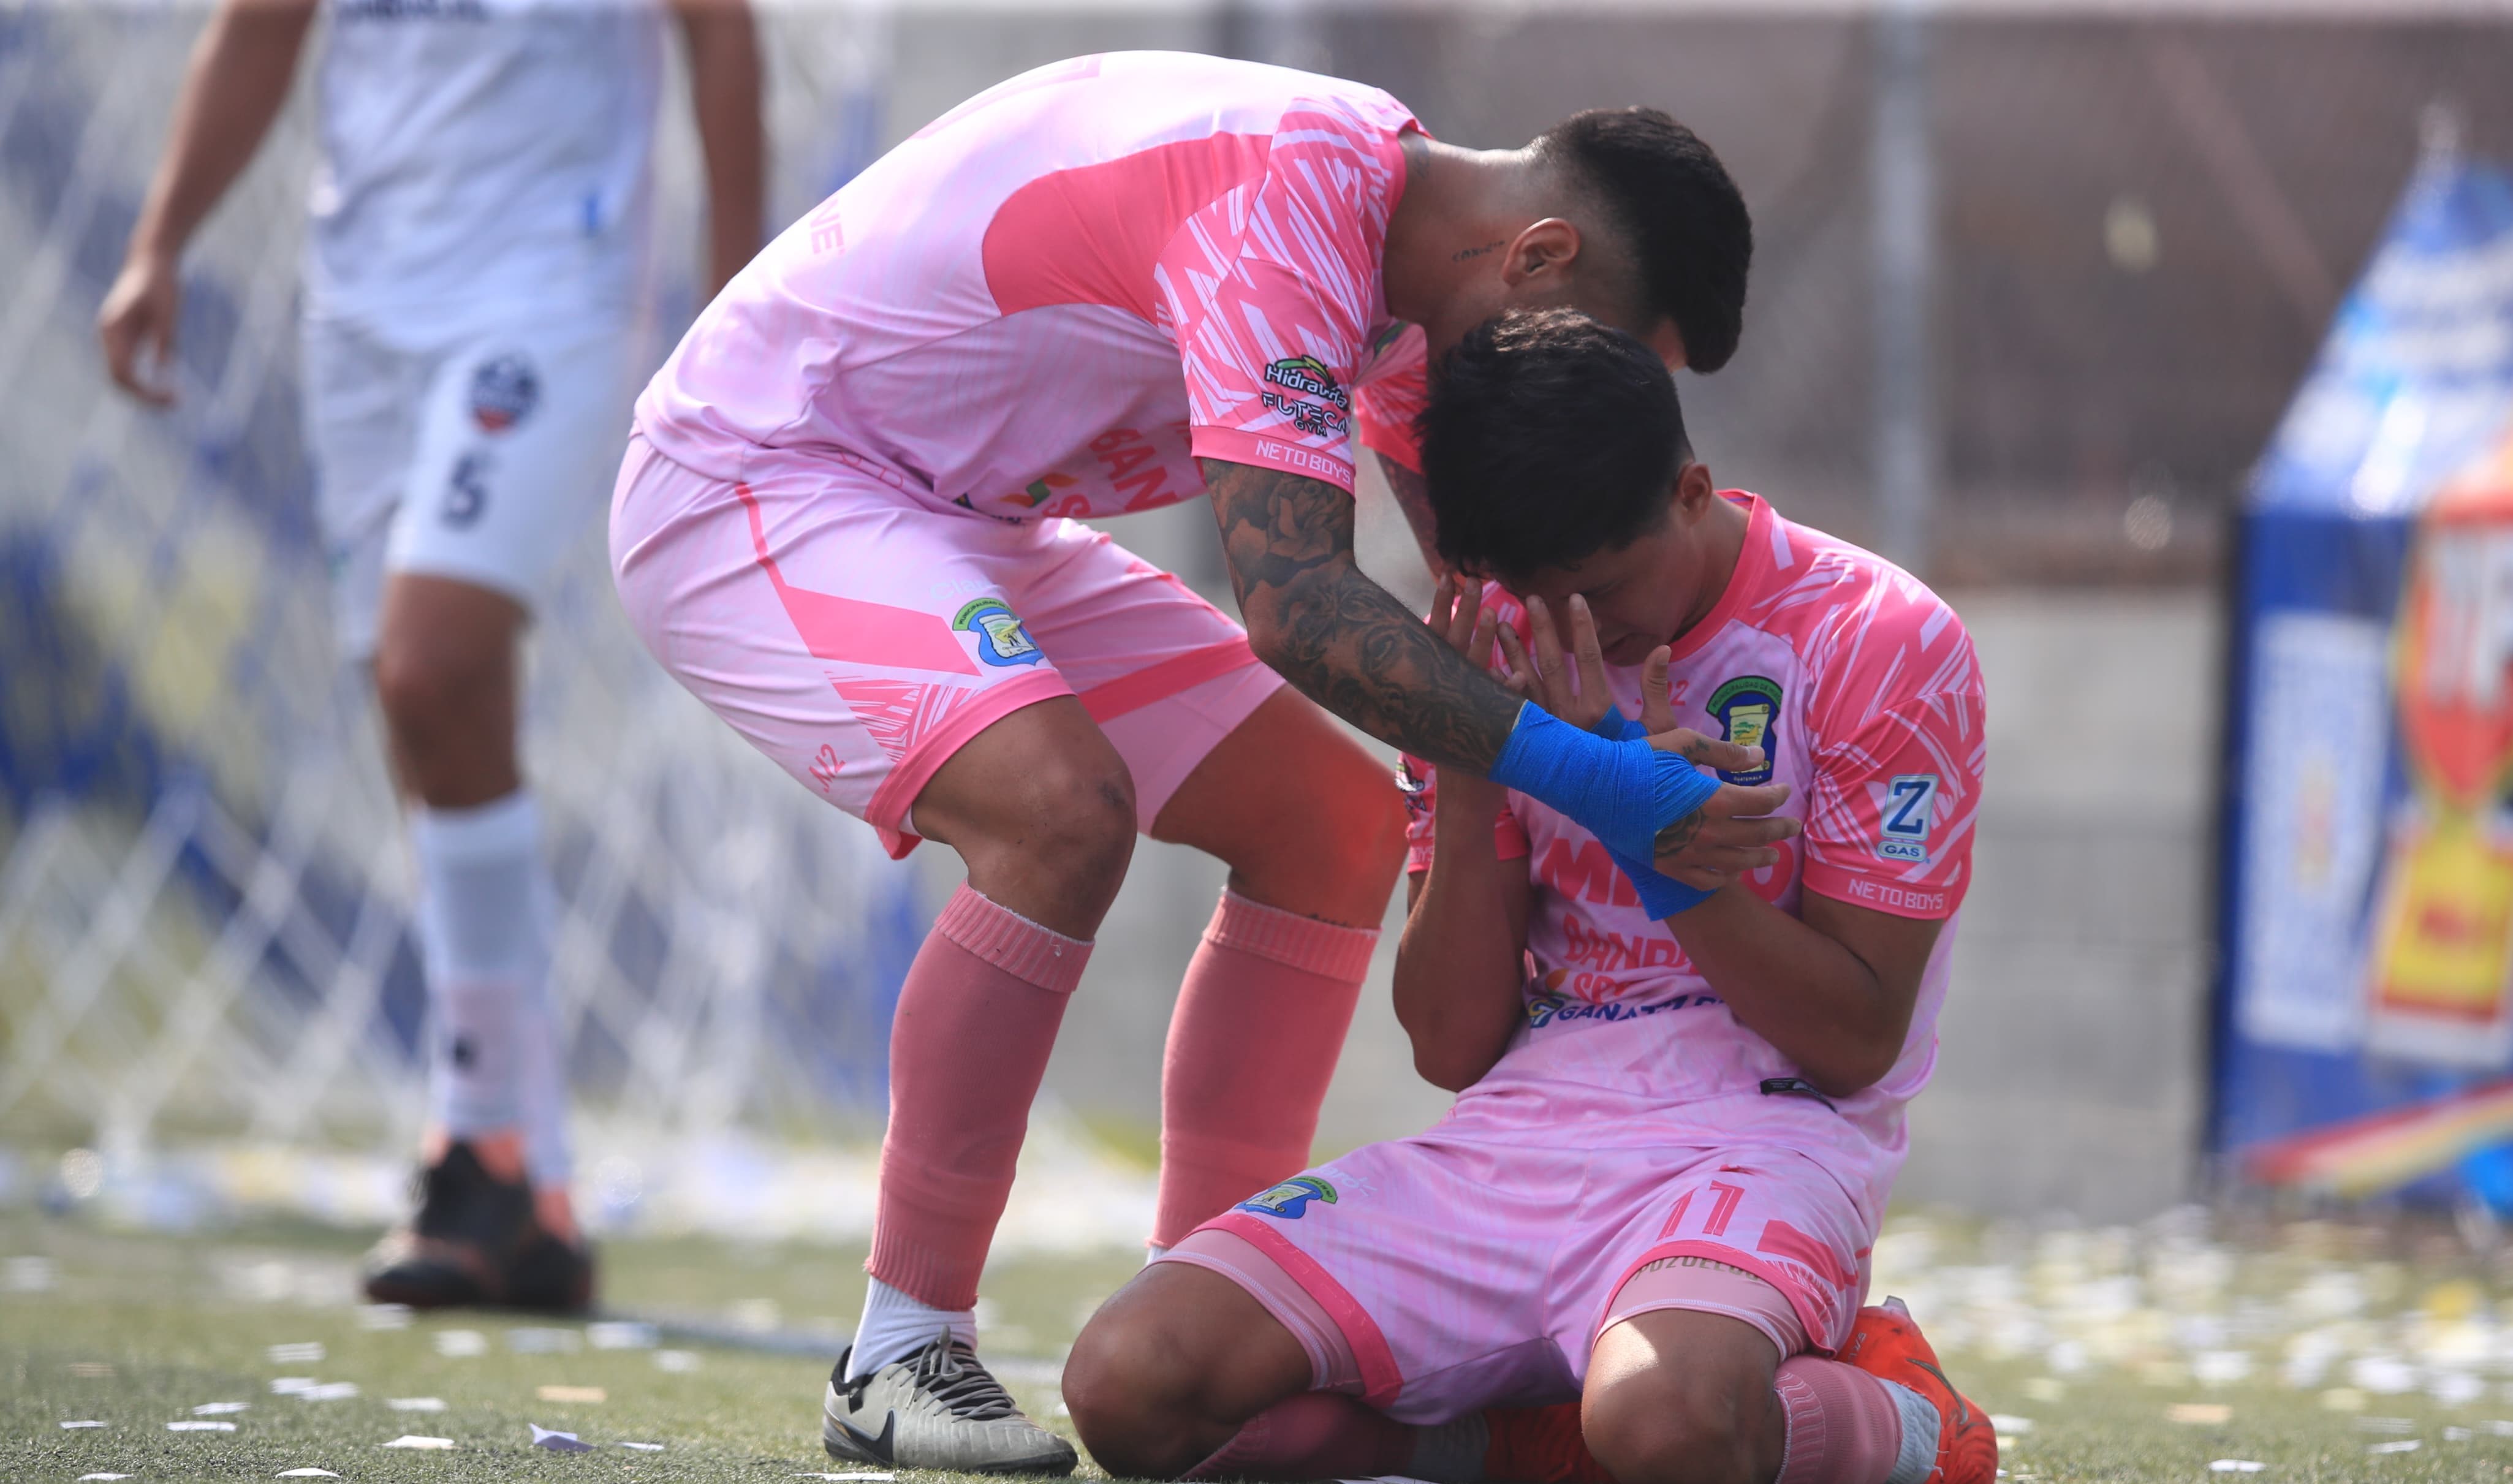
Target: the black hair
(1683, 219)
(1548, 437)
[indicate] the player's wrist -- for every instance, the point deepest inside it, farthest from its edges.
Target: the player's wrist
(1622, 792)
(1662, 894)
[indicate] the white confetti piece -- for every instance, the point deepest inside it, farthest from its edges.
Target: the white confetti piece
(29, 1276)
(573, 1395)
(622, 1335)
(678, 1362)
(291, 1386)
(2382, 1375)
(330, 1391)
(71, 1426)
(882, 1476)
(2220, 1368)
(462, 1344)
(2199, 1414)
(302, 1352)
(413, 1440)
(643, 1447)
(2235, 1465)
(220, 1409)
(2457, 1435)
(2404, 1445)
(196, 1427)
(416, 1403)
(2455, 1388)
(85, 1478)
(2004, 1423)
(306, 1473)
(383, 1316)
(91, 1370)
(2397, 1426)
(558, 1442)
(2500, 1429)
(543, 1341)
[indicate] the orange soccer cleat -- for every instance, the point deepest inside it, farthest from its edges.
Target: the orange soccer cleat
(1886, 1343)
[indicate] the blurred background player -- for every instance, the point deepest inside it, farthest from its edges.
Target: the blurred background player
(1691, 1109)
(478, 240)
(1104, 286)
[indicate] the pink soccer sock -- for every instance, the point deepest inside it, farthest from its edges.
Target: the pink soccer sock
(1314, 1435)
(1252, 1047)
(1842, 1424)
(976, 1020)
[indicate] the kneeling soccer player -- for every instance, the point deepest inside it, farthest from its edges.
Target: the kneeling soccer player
(1682, 1101)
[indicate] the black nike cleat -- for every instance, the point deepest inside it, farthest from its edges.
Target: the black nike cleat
(475, 1243)
(938, 1408)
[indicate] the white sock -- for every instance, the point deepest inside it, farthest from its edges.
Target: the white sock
(1153, 1252)
(896, 1326)
(484, 935)
(1918, 1458)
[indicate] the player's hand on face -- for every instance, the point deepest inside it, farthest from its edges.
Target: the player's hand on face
(1571, 686)
(1734, 831)
(136, 326)
(1459, 616)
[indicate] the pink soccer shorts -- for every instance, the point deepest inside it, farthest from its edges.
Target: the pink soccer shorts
(859, 634)
(1459, 1273)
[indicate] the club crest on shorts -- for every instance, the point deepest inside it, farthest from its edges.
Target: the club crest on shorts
(1001, 639)
(1748, 710)
(1291, 1199)
(503, 392)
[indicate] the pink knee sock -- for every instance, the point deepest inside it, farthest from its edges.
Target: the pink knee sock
(1253, 1045)
(1845, 1426)
(976, 1020)
(1314, 1435)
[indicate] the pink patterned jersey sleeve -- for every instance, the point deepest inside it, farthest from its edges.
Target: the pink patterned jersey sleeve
(1274, 293)
(1889, 821)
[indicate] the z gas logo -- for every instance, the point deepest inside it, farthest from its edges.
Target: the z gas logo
(1748, 708)
(1001, 639)
(1304, 377)
(1291, 1199)
(1909, 801)
(503, 392)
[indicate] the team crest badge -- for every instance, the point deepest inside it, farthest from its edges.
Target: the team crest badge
(503, 392)
(1001, 639)
(1748, 708)
(1291, 1199)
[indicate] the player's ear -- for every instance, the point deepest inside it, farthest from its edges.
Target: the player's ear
(1695, 489)
(1543, 249)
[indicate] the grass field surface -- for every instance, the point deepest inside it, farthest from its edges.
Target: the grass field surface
(2108, 1356)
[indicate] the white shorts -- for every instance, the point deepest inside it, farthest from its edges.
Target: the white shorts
(479, 458)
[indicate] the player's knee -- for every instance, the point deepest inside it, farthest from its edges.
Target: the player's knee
(1078, 813)
(1127, 1383)
(1656, 1429)
(425, 688)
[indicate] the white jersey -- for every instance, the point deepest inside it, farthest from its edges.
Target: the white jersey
(481, 155)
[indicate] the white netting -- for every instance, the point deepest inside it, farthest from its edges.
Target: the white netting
(204, 889)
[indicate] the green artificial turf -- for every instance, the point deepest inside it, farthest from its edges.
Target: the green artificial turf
(136, 1331)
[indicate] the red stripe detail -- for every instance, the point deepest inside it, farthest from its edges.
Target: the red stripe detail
(1159, 682)
(1783, 1240)
(1381, 1380)
(888, 810)
(1722, 1207)
(853, 631)
(1801, 1303)
(1092, 234)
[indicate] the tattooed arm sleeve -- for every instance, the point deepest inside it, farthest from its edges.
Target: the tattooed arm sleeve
(1343, 639)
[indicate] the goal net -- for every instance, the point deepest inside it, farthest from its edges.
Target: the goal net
(206, 937)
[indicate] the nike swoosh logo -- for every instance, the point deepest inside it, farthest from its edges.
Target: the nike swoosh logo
(878, 1447)
(1963, 1409)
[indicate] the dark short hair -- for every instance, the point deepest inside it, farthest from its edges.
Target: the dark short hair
(1683, 219)
(1548, 437)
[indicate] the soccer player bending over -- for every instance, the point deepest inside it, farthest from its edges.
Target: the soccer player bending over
(1681, 1102)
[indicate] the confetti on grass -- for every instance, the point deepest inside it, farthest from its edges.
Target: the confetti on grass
(220, 1409)
(677, 1362)
(308, 1474)
(87, 1422)
(2404, 1445)
(2235, 1465)
(622, 1335)
(558, 1442)
(304, 1352)
(413, 1440)
(85, 1478)
(2199, 1414)
(643, 1447)
(330, 1391)
(197, 1426)
(416, 1403)
(573, 1395)
(462, 1344)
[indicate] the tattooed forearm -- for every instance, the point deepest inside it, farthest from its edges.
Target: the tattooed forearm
(1413, 497)
(1341, 637)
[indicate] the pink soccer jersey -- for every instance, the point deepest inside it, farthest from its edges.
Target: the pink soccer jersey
(1055, 298)
(1860, 686)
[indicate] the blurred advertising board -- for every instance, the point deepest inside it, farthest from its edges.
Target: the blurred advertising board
(2368, 859)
